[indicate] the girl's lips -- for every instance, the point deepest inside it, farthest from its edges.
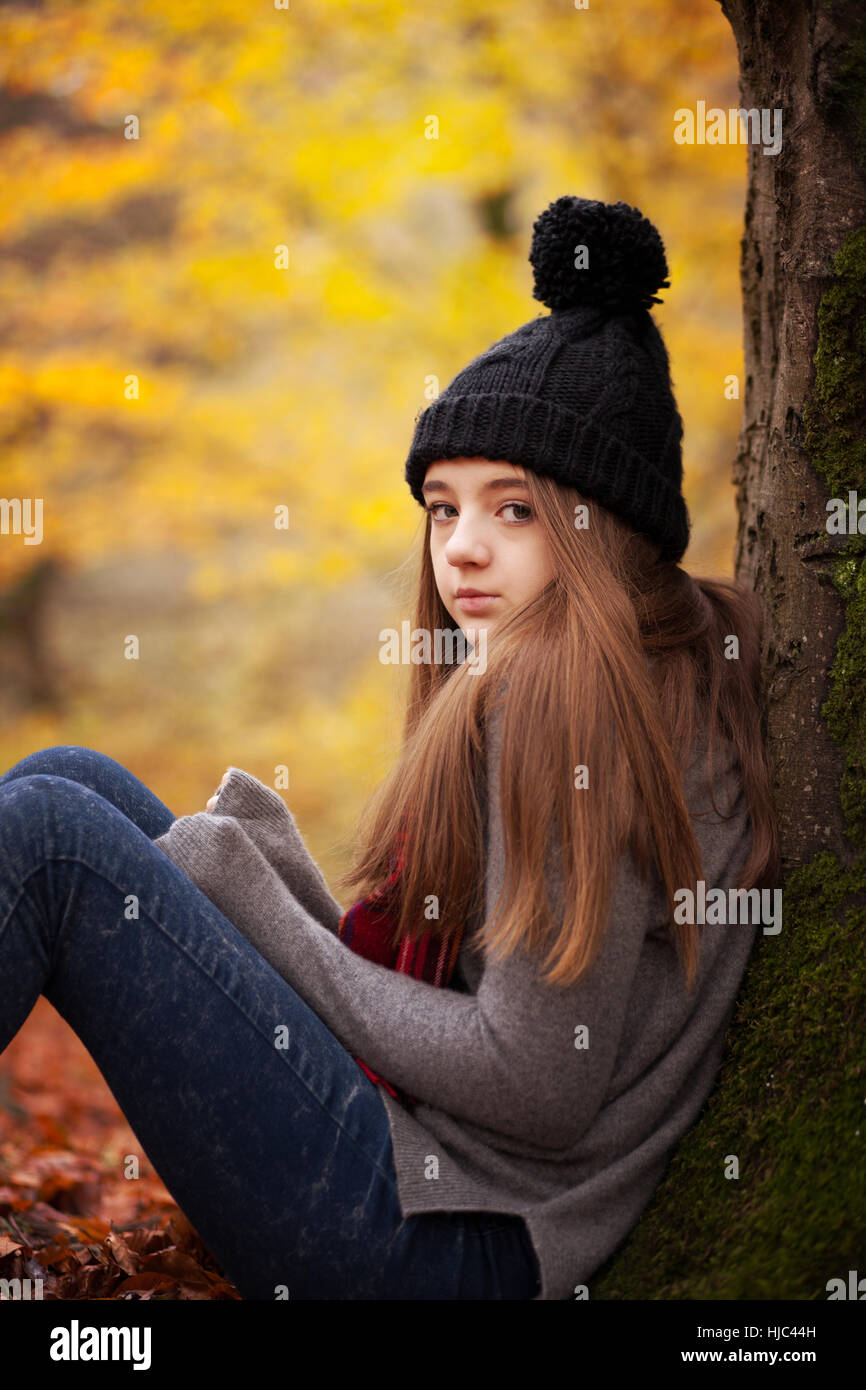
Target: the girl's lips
(476, 603)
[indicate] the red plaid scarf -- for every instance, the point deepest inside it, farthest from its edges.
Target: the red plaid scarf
(367, 927)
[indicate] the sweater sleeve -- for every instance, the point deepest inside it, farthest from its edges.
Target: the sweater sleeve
(269, 827)
(519, 1057)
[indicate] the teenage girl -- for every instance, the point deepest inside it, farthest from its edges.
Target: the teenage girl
(467, 1085)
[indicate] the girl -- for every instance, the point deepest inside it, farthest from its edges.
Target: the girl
(469, 1084)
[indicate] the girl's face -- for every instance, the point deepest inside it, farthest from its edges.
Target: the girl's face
(484, 536)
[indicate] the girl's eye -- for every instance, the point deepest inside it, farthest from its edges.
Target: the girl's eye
(524, 506)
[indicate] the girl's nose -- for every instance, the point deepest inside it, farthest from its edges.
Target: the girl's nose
(466, 543)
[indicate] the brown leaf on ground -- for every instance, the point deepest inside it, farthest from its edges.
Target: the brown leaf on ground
(68, 1216)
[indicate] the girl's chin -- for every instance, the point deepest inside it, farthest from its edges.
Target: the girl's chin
(471, 629)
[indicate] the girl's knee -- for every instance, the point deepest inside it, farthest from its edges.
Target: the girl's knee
(47, 812)
(35, 808)
(60, 760)
(34, 787)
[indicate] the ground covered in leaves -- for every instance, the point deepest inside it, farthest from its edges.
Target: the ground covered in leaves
(68, 1215)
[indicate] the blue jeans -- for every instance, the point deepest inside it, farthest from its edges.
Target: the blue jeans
(280, 1158)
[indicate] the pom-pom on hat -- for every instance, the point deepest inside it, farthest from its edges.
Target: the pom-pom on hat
(582, 394)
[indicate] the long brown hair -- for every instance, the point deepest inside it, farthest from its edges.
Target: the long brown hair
(615, 665)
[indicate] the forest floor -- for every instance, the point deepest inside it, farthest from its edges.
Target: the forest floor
(69, 1215)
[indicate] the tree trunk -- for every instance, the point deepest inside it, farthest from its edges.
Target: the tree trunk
(801, 205)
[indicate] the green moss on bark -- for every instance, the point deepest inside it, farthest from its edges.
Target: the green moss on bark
(845, 710)
(789, 1104)
(845, 96)
(833, 419)
(835, 422)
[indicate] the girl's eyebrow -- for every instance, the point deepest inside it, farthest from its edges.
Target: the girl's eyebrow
(437, 485)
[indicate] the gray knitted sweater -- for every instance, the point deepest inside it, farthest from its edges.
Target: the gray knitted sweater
(521, 1117)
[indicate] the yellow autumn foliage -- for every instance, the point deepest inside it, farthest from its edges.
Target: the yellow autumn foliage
(156, 158)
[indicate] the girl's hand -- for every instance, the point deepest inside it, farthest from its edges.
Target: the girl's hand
(212, 802)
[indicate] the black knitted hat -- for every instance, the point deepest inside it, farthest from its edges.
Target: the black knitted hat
(582, 394)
